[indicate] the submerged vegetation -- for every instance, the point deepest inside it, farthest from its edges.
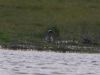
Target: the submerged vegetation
(26, 21)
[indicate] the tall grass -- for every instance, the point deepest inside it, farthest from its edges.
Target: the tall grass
(29, 19)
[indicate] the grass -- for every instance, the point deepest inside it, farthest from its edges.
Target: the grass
(27, 20)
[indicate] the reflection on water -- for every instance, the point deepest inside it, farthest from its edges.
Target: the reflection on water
(49, 63)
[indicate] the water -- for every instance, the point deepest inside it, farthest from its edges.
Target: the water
(48, 63)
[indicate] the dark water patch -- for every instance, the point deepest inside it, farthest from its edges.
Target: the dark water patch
(95, 64)
(22, 73)
(8, 58)
(48, 68)
(64, 63)
(11, 54)
(91, 73)
(44, 64)
(29, 67)
(39, 74)
(16, 67)
(4, 68)
(13, 63)
(40, 64)
(83, 61)
(15, 70)
(93, 61)
(57, 73)
(45, 67)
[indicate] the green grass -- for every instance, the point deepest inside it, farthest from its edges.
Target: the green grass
(29, 19)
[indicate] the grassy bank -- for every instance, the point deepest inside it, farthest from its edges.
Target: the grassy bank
(27, 20)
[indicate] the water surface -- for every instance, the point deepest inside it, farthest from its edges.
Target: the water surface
(48, 63)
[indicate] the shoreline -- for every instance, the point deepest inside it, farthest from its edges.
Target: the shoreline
(69, 48)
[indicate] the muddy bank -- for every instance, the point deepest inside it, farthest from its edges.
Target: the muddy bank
(53, 47)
